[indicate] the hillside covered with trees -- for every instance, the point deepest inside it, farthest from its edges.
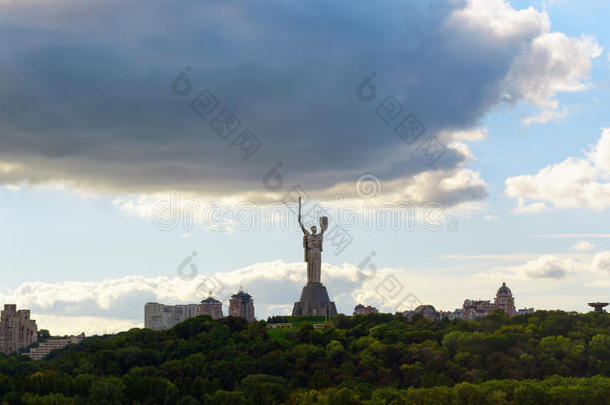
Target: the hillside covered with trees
(542, 358)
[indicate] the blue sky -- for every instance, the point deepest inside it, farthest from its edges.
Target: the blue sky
(92, 135)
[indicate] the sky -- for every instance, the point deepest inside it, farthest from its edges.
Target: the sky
(154, 152)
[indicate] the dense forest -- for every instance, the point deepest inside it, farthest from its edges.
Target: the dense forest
(548, 357)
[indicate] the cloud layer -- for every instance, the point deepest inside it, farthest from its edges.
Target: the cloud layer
(591, 267)
(117, 304)
(94, 109)
(577, 182)
(112, 305)
(121, 301)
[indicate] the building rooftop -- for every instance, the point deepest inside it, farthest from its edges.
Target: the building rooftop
(210, 299)
(243, 296)
(504, 290)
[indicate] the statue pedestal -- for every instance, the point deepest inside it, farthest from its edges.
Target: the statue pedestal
(314, 302)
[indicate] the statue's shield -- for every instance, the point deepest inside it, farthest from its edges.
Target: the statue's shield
(323, 223)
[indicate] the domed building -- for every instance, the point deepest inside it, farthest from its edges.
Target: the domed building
(427, 311)
(504, 300)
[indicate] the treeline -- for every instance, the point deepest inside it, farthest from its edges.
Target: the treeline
(550, 391)
(545, 357)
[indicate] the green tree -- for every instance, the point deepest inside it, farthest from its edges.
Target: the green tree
(107, 391)
(264, 389)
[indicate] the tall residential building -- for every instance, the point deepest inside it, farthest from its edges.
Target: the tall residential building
(211, 307)
(505, 301)
(17, 330)
(44, 348)
(241, 304)
(160, 316)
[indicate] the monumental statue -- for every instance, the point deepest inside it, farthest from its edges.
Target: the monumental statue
(312, 243)
(314, 297)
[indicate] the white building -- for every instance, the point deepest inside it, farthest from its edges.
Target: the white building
(44, 348)
(525, 311)
(161, 316)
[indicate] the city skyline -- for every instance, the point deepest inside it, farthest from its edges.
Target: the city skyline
(163, 316)
(484, 122)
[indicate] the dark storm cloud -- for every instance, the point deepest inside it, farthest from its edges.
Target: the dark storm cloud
(86, 96)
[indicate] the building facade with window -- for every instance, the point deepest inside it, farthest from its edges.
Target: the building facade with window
(504, 301)
(45, 348)
(211, 307)
(242, 304)
(17, 330)
(160, 316)
(362, 310)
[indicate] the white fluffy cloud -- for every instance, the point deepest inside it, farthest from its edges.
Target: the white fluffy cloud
(577, 182)
(583, 246)
(584, 266)
(600, 154)
(523, 208)
(601, 263)
(554, 63)
(549, 64)
(548, 266)
(469, 135)
(498, 18)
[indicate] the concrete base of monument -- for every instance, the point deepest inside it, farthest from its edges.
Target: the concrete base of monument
(314, 302)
